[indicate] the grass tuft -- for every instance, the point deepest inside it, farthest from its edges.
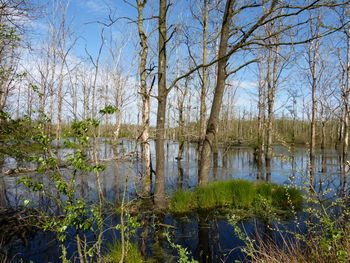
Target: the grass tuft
(238, 194)
(181, 201)
(243, 193)
(115, 253)
(280, 197)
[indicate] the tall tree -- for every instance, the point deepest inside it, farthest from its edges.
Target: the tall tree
(145, 96)
(63, 50)
(245, 35)
(159, 194)
(272, 75)
(205, 72)
(203, 176)
(312, 59)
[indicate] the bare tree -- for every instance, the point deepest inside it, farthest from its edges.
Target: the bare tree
(312, 59)
(205, 77)
(64, 48)
(181, 97)
(159, 194)
(145, 96)
(203, 176)
(248, 37)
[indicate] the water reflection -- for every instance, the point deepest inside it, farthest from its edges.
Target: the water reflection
(3, 199)
(285, 166)
(204, 248)
(209, 239)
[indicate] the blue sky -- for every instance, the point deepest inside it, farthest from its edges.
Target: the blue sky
(86, 14)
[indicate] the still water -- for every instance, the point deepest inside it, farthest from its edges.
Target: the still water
(208, 238)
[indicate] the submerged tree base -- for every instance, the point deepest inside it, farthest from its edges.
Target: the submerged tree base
(237, 194)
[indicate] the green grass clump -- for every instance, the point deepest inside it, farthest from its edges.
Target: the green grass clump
(243, 193)
(115, 253)
(265, 191)
(236, 193)
(280, 197)
(287, 198)
(182, 201)
(205, 197)
(239, 194)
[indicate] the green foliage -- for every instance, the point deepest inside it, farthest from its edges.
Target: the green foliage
(108, 110)
(184, 255)
(280, 197)
(290, 198)
(80, 130)
(36, 89)
(9, 34)
(328, 227)
(17, 138)
(75, 212)
(130, 226)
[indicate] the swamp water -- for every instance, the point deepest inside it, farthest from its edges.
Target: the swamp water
(209, 238)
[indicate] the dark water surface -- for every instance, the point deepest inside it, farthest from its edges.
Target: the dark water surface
(209, 238)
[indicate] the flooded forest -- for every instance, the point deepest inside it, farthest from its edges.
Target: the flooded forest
(191, 131)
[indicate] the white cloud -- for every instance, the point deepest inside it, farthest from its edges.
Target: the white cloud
(96, 7)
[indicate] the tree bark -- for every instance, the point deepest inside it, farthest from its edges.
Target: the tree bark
(313, 57)
(204, 169)
(145, 147)
(203, 95)
(271, 92)
(159, 195)
(346, 110)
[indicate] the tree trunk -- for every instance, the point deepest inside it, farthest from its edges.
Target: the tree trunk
(145, 147)
(261, 107)
(159, 195)
(346, 118)
(313, 56)
(261, 123)
(59, 102)
(180, 104)
(204, 169)
(62, 57)
(203, 95)
(271, 92)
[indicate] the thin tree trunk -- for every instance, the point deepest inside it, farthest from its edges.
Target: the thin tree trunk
(159, 194)
(203, 106)
(346, 118)
(271, 91)
(261, 123)
(118, 113)
(145, 147)
(313, 55)
(59, 103)
(62, 55)
(261, 107)
(181, 102)
(204, 169)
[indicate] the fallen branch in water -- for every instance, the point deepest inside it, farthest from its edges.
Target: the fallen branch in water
(20, 170)
(28, 170)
